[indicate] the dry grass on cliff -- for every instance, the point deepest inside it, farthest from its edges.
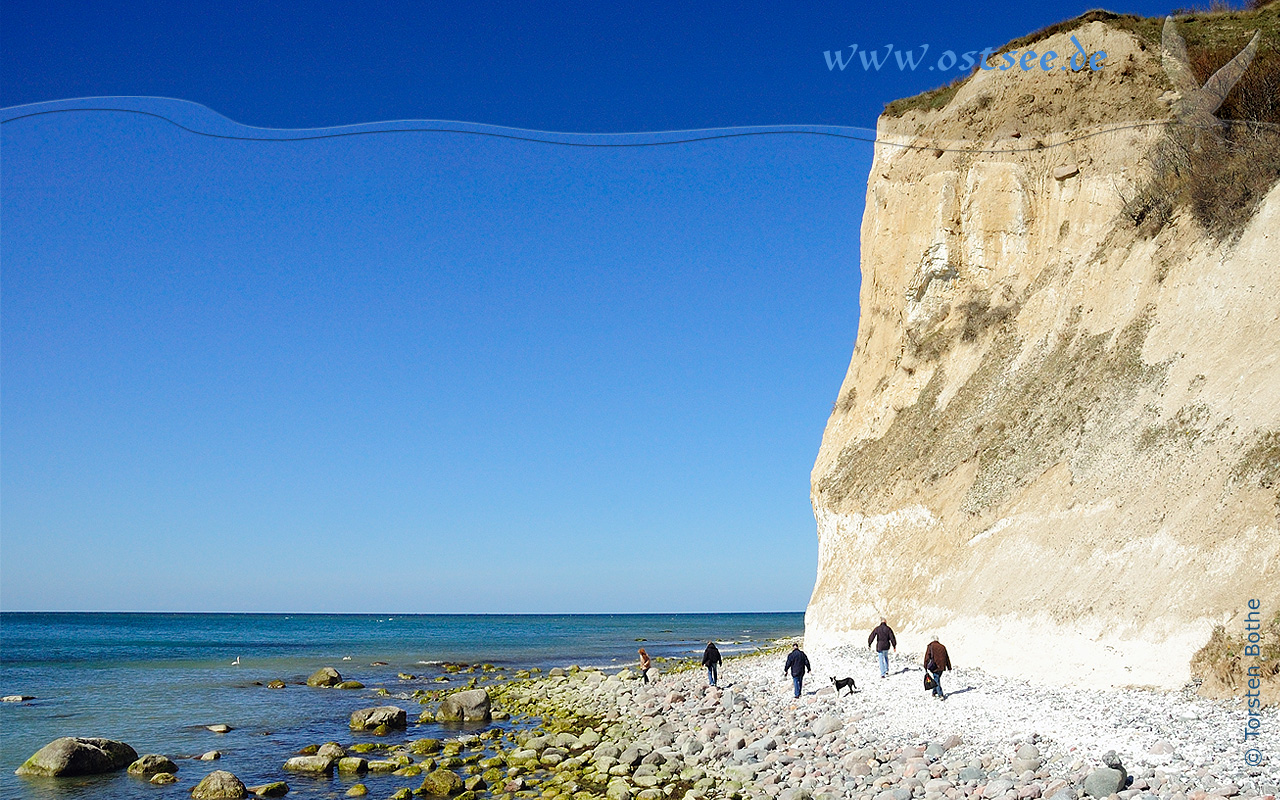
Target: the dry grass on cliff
(1223, 668)
(1220, 176)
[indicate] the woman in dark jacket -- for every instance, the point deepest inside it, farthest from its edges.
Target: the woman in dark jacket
(711, 660)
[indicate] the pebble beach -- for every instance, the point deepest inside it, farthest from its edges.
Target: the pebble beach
(992, 738)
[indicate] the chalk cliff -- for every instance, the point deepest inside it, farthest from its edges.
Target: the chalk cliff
(1057, 446)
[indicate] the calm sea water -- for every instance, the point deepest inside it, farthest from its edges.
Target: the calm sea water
(155, 680)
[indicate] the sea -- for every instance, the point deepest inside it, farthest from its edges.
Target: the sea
(155, 681)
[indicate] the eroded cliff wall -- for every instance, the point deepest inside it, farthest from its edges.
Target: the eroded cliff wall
(1057, 446)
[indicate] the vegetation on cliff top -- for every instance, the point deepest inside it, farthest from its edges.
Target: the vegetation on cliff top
(1212, 38)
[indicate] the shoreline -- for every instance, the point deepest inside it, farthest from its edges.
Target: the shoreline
(578, 733)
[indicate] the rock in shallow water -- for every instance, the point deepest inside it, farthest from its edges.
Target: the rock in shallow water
(317, 765)
(441, 782)
(219, 785)
(273, 789)
(325, 677)
(469, 706)
(368, 719)
(151, 764)
(78, 756)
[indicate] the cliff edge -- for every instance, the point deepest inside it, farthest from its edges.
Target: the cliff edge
(1057, 446)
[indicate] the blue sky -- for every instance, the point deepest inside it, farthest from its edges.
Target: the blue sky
(426, 372)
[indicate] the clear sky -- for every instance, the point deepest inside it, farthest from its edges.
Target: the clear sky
(428, 372)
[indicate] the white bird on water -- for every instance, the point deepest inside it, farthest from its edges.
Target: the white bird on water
(236, 663)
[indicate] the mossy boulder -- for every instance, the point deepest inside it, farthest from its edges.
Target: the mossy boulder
(441, 783)
(424, 747)
(325, 677)
(349, 685)
(273, 789)
(353, 765)
(219, 785)
(152, 764)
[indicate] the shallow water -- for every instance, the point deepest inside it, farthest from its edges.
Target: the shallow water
(155, 680)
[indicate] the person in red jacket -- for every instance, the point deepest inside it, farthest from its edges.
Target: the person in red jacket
(936, 662)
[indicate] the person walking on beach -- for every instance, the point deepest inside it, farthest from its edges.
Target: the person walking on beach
(645, 664)
(797, 664)
(936, 661)
(884, 639)
(711, 660)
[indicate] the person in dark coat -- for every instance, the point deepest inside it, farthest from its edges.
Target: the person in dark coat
(936, 661)
(711, 660)
(797, 664)
(884, 639)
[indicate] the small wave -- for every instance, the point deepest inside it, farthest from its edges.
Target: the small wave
(429, 663)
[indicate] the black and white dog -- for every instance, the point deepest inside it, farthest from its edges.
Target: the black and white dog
(845, 683)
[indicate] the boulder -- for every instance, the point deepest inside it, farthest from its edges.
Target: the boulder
(72, 755)
(276, 684)
(212, 755)
(325, 677)
(331, 750)
(424, 747)
(349, 685)
(273, 789)
(826, 724)
(151, 764)
(358, 790)
(315, 765)
(367, 719)
(219, 728)
(16, 698)
(164, 778)
(353, 765)
(440, 782)
(219, 785)
(469, 706)
(1104, 782)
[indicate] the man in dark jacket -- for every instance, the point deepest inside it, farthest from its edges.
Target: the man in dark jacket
(711, 660)
(797, 664)
(884, 639)
(936, 661)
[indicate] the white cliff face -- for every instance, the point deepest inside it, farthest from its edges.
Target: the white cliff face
(1057, 446)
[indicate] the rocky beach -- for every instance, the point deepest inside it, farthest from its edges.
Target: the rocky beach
(588, 733)
(992, 738)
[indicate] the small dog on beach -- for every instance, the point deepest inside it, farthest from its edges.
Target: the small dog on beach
(844, 683)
